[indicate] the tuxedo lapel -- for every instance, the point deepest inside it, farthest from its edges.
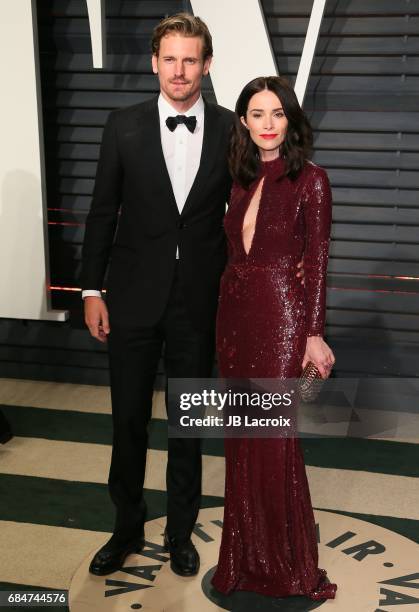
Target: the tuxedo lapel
(149, 133)
(210, 146)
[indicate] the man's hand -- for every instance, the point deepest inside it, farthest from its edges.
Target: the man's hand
(300, 274)
(96, 317)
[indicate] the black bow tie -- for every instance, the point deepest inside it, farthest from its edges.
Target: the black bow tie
(173, 122)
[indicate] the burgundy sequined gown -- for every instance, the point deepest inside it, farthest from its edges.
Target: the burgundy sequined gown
(269, 540)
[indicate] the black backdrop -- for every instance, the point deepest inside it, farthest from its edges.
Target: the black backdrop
(362, 102)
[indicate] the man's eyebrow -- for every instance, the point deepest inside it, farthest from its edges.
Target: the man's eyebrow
(183, 58)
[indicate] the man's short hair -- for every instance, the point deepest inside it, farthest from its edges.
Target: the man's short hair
(184, 24)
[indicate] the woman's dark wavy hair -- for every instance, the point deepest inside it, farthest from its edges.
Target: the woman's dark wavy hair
(243, 155)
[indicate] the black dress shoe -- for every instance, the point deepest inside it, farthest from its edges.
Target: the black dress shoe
(184, 558)
(112, 555)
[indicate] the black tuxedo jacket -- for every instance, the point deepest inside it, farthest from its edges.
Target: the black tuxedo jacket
(140, 242)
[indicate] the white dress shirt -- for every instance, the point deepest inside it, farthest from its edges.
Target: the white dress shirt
(181, 148)
(182, 153)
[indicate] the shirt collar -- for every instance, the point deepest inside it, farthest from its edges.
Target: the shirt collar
(166, 110)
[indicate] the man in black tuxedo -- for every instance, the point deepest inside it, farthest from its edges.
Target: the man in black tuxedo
(163, 165)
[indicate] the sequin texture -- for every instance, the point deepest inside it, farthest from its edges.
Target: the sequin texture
(269, 542)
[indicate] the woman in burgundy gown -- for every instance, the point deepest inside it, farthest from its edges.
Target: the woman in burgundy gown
(270, 326)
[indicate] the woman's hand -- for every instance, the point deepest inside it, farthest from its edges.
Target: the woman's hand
(319, 353)
(300, 273)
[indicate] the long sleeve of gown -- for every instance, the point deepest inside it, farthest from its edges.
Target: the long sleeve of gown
(318, 218)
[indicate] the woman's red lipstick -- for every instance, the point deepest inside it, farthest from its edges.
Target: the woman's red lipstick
(268, 136)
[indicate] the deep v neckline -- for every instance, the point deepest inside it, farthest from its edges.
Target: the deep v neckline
(261, 183)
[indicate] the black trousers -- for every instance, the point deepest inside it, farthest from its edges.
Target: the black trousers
(134, 354)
